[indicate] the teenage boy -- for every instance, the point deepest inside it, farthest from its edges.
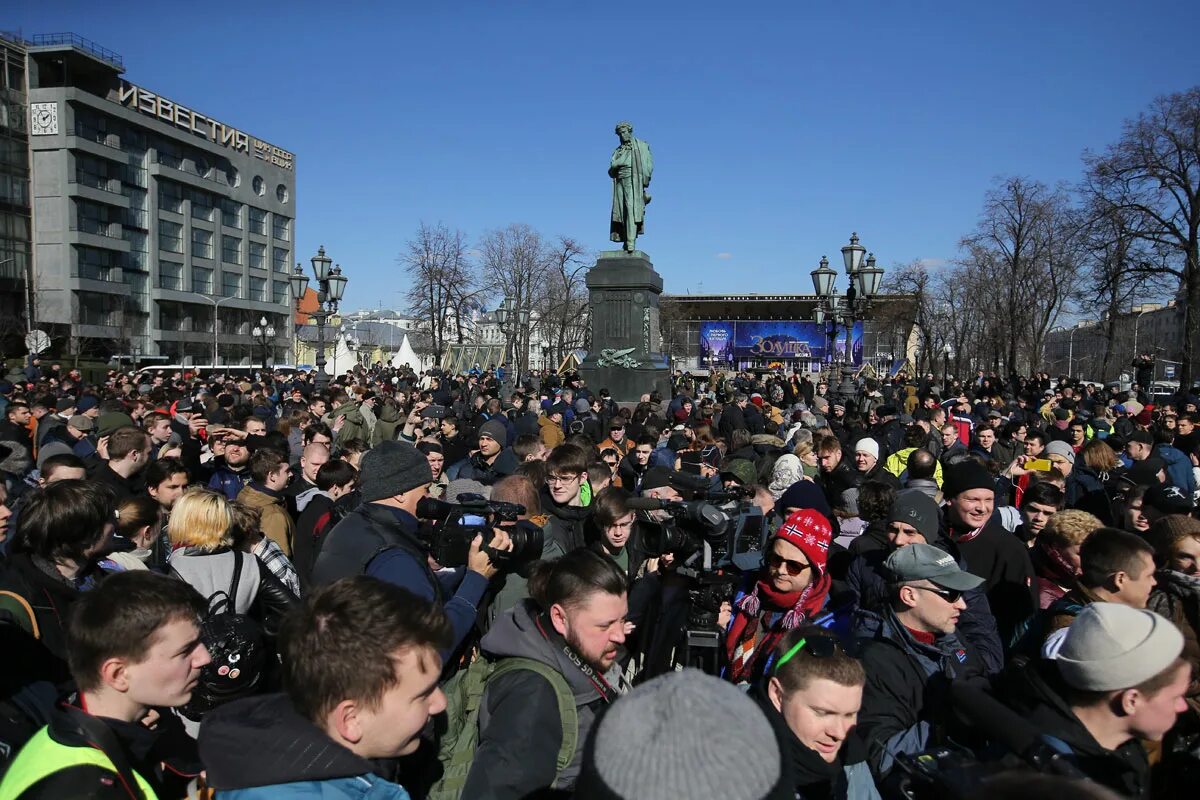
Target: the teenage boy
(134, 647)
(360, 669)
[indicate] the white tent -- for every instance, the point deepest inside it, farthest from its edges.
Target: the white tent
(406, 355)
(341, 359)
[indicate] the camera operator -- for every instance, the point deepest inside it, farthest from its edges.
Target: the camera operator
(380, 538)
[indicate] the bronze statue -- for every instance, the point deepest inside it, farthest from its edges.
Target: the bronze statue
(630, 169)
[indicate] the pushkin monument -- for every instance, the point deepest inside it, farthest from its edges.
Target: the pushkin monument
(624, 288)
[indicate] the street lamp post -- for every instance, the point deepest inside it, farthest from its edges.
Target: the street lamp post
(216, 321)
(947, 350)
(1136, 320)
(864, 279)
(331, 285)
(264, 332)
(508, 312)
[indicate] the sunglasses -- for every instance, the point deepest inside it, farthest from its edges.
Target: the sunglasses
(949, 595)
(818, 646)
(793, 568)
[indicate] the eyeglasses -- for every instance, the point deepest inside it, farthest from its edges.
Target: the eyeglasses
(949, 595)
(793, 568)
(561, 478)
(818, 646)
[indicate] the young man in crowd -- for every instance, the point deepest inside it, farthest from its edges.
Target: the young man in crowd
(361, 668)
(133, 647)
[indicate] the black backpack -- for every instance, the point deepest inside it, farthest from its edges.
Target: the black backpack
(235, 643)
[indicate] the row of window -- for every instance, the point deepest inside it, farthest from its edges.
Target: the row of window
(171, 196)
(170, 276)
(183, 317)
(170, 240)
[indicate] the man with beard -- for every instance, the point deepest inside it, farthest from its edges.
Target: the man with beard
(233, 474)
(567, 634)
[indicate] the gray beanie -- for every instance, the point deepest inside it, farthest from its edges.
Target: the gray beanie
(1111, 647)
(914, 507)
(457, 488)
(495, 429)
(391, 468)
(656, 743)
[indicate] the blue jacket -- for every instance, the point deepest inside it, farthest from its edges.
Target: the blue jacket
(259, 748)
(228, 482)
(1179, 467)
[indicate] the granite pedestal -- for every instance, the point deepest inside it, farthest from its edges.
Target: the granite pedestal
(624, 356)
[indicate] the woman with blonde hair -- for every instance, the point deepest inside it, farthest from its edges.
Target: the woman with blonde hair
(203, 554)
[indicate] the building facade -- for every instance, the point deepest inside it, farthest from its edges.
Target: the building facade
(1103, 350)
(157, 231)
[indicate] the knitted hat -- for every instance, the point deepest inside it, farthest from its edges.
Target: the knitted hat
(914, 507)
(494, 429)
(868, 446)
(965, 476)
(1141, 437)
(1144, 417)
(65, 404)
(457, 488)
(803, 494)
(391, 468)
(657, 743)
(582, 406)
(86, 403)
(1111, 646)
(1062, 449)
(810, 531)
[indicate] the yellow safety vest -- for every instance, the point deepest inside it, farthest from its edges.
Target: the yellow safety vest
(42, 756)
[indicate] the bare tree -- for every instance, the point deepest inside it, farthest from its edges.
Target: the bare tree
(442, 280)
(1026, 244)
(515, 265)
(564, 312)
(1152, 175)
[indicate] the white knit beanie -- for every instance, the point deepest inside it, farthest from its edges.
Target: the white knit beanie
(1111, 647)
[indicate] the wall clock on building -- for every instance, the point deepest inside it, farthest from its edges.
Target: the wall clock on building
(43, 118)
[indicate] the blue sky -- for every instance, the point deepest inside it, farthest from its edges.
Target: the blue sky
(777, 128)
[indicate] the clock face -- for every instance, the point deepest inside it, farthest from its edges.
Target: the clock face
(44, 119)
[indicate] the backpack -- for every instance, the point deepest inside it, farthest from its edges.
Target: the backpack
(464, 695)
(235, 643)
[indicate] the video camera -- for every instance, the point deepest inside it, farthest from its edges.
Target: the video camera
(456, 526)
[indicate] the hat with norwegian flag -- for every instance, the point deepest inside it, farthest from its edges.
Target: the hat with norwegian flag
(810, 531)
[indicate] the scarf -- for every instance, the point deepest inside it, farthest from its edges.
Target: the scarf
(776, 612)
(1054, 567)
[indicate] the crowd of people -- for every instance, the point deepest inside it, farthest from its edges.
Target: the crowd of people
(404, 585)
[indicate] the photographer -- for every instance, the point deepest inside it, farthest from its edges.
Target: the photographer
(380, 538)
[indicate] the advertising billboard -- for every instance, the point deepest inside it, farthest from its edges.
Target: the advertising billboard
(760, 341)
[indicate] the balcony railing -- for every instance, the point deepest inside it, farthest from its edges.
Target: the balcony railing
(79, 43)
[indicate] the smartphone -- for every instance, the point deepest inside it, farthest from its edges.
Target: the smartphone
(1038, 465)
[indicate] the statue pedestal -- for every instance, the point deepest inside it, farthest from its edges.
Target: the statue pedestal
(624, 357)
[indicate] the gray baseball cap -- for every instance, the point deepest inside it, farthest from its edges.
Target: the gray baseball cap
(924, 562)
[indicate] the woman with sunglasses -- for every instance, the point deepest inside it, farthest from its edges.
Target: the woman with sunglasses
(812, 701)
(790, 589)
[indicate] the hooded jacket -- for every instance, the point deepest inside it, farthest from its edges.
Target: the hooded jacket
(905, 697)
(520, 731)
(1034, 689)
(259, 748)
(386, 424)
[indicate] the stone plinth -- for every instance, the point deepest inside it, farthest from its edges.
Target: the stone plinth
(624, 357)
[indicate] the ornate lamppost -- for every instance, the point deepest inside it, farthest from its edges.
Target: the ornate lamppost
(331, 285)
(264, 334)
(864, 279)
(508, 312)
